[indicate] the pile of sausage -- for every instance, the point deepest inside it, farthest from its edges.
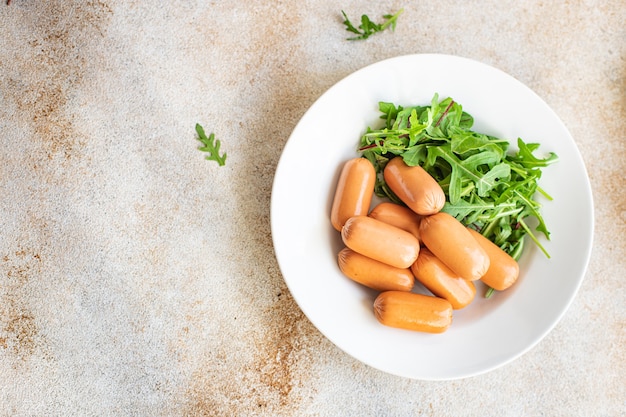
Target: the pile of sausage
(391, 246)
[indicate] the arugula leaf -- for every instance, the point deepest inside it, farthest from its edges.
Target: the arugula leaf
(526, 158)
(211, 145)
(486, 186)
(367, 27)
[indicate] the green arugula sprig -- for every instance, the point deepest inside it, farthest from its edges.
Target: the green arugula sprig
(367, 27)
(486, 187)
(211, 145)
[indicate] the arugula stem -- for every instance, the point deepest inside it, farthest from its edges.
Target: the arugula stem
(544, 193)
(391, 20)
(516, 253)
(385, 133)
(370, 146)
(486, 230)
(533, 207)
(502, 214)
(534, 238)
(445, 112)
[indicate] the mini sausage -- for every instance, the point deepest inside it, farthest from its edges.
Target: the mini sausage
(380, 241)
(410, 311)
(452, 243)
(442, 281)
(503, 269)
(374, 274)
(399, 216)
(354, 192)
(414, 186)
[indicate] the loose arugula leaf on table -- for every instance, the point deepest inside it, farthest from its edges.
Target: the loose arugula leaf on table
(486, 186)
(211, 145)
(367, 27)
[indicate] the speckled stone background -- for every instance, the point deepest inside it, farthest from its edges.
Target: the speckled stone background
(138, 279)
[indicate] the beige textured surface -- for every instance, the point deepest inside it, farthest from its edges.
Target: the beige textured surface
(136, 278)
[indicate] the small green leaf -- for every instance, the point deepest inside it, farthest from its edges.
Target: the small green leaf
(368, 27)
(211, 146)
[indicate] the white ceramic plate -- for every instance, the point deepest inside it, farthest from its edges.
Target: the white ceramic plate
(488, 333)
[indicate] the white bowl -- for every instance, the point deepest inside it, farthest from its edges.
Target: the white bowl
(489, 332)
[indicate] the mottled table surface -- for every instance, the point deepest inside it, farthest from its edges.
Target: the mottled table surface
(138, 278)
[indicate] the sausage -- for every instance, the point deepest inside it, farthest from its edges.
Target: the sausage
(354, 192)
(414, 186)
(453, 244)
(374, 274)
(503, 269)
(380, 241)
(399, 216)
(411, 311)
(442, 281)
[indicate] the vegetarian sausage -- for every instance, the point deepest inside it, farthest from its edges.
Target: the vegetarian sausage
(399, 216)
(374, 274)
(354, 191)
(442, 281)
(503, 269)
(380, 241)
(410, 311)
(452, 243)
(414, 186)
